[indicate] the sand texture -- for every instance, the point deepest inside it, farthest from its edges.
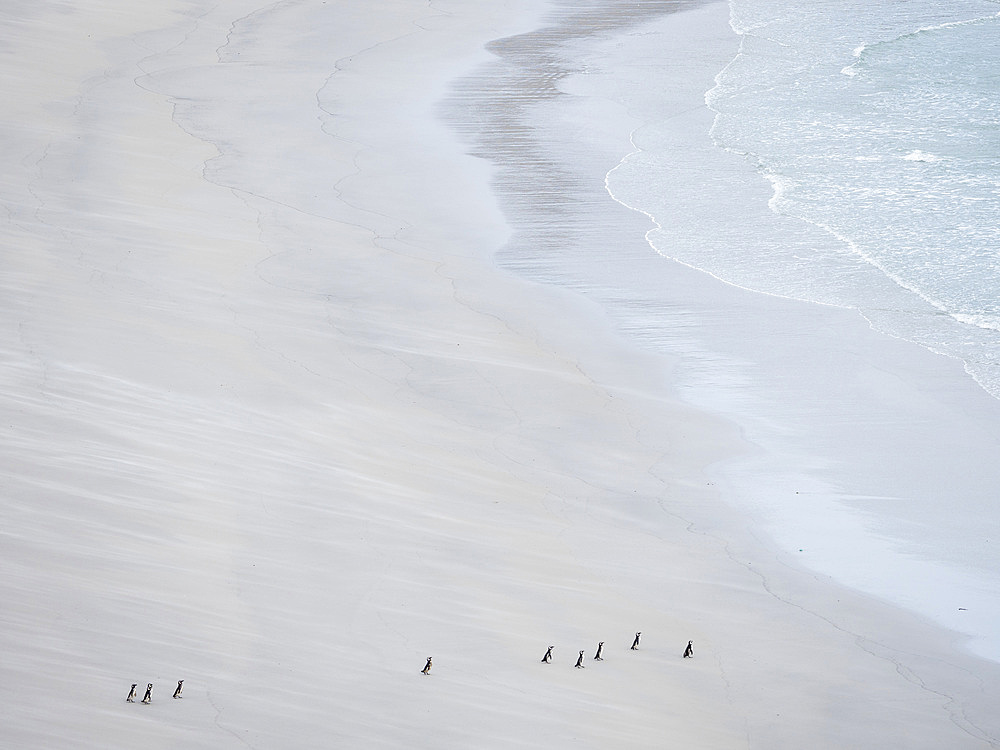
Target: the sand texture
(280, 419)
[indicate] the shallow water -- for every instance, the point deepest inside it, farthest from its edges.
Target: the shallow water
(862, 173)
(873, 459)
(877, 126)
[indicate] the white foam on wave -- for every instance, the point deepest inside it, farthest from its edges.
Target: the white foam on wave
(955, 24)
(658, 229)
(853, 69)
(918, 155)
(781, 186)
(979, 320)
(859, 52)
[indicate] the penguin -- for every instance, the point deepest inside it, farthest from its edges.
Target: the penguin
(635, 643)
(131, 694)
(177, 692)
(689, 651)
(427, 667)
(149, 693)
(579, 661)
(600, 648)
(548, 655)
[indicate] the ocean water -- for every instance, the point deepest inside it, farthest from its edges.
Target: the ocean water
(846, 157)
(877, 125)
(867, 140)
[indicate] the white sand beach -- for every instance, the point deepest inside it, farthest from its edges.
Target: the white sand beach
(281, 419)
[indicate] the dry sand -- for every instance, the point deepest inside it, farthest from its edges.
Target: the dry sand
(277, 425)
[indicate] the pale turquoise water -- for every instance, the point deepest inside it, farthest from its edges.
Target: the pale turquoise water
(880, 122)
(820, 181)
(854, 161)
(878, 127)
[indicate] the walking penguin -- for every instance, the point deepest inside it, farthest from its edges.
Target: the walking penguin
(689, 651)
(579, 661)
(600, 648)
(548, 655)
(635, 643)
(427, 667)
(177, 692)
(131, 694)
(149, 693)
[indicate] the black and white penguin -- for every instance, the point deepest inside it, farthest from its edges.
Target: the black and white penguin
(131, 694)
(600, 649)
(579, 661)
(427, 667)
(635, 643)
(548, 655)
(177, 692)
(149, 693)
(689, 651)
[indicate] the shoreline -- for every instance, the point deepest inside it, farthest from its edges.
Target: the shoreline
(660, 331)
(283, 425)
(961, 580)
(929, 428)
